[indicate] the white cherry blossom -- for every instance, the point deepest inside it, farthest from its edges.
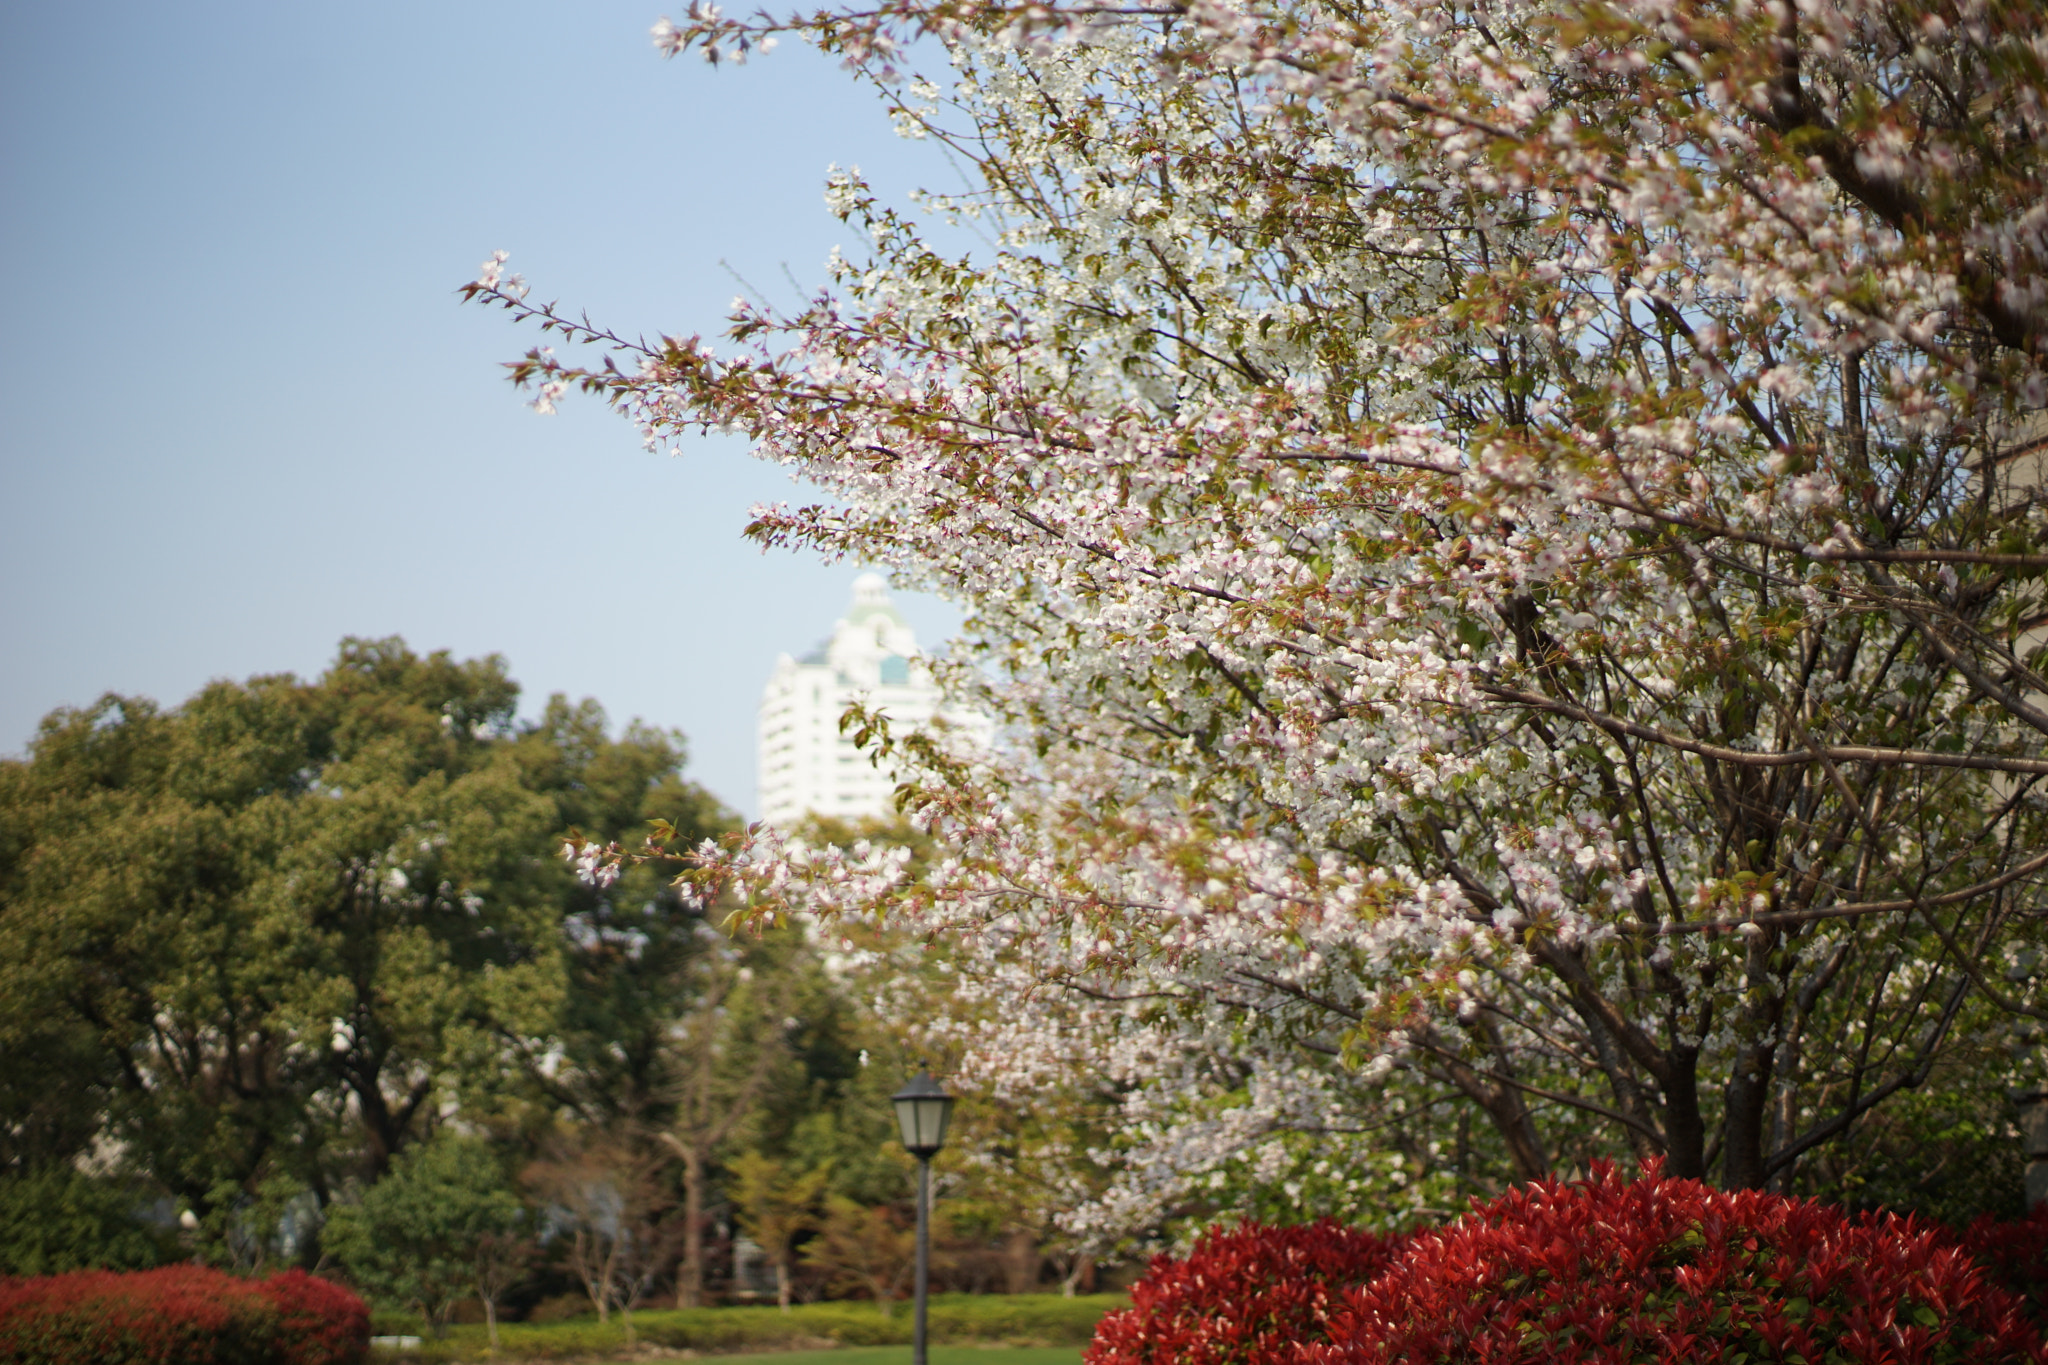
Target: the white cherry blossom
(1504, 541)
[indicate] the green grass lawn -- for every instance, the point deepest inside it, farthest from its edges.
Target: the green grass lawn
(966, 1329)
(900, 1355)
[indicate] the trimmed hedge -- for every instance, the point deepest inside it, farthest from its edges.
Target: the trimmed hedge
(180, 1315)
(1605, 1269)
(956, 1319)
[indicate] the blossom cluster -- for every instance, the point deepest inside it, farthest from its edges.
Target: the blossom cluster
(1502, 541)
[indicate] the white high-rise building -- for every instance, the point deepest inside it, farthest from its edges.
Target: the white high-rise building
(806, 765)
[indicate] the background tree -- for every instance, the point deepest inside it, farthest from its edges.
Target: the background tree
(415, 873)
(503, 1260)
(336, 914)
(723, 1052)
(775, 1205)
(606, 1201)
(631, 951)
(55, 1218)
(419, 1235)
(863, 1250)
(165, 976)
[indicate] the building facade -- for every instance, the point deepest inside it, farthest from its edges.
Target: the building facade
(806, 765)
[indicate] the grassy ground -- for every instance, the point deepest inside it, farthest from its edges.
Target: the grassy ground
(1012, 1329)
(900, 1355)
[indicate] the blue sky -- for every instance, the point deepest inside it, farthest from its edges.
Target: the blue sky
(245, 415)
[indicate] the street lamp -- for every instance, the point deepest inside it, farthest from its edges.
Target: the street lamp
(922, 1108)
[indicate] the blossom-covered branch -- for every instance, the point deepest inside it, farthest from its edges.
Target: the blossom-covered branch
(1505, 540)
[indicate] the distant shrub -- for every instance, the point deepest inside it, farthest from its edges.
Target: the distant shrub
(986, 1320)
(1614, 1269)
(180, 1315)
(1243, 1296)
(561, 1308)
(320, 1322)
(57, 1219)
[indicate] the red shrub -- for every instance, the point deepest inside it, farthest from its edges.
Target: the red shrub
(322, 1323)
(1609, 1269)
(180, 1315)
(1241, 1297)
(2016, 1257)
(1599, 1270)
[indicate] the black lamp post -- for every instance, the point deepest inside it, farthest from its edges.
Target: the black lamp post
(922, 1108)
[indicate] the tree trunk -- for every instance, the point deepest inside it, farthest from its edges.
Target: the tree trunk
(690, 1274)
(1083, 1271)
(490, 1321)
(782, 1283)
(1020, 1261)
(1494, 1091)
(595, 1275)
(1517, 1127)
(1685, 1132)
(1747, 1107)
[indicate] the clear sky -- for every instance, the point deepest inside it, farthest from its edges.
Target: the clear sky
(245, 416)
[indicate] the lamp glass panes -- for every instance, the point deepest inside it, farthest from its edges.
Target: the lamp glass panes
(922, 1110)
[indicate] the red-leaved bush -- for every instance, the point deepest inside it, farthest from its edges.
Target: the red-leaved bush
(180, 1315)
(1243, 1295)
(2016, 1257)
(1605, 1269)
(319, 1321)
(1610, 1269)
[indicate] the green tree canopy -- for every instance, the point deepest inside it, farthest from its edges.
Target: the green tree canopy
(56, 1219)
(416, 1235)
(271, 932)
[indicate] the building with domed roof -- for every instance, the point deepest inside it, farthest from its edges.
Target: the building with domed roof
(806, 765)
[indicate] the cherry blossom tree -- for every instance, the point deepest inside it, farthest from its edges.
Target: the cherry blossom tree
(1503, 537)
